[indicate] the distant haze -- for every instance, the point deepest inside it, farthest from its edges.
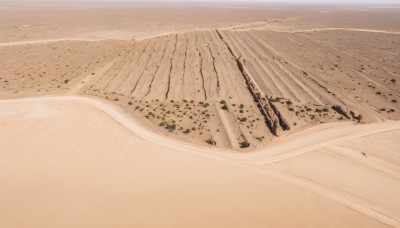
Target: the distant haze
(227, 1)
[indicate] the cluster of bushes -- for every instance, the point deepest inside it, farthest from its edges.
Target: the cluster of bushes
(322, 110)
(169, 127)
(278, 99)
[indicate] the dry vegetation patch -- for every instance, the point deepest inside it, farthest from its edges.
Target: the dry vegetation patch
(223, 88)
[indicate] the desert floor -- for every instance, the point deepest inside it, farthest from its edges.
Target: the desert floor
(199, 115)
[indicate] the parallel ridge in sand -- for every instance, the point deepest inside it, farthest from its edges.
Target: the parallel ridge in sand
(221, 87)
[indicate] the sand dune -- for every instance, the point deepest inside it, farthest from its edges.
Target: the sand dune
(216, 189)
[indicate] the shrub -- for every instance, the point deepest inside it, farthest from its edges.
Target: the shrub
(243, 119)
(241, 111)
(394, 101)
(244, 144)
(378, 93)
(289, 102)
(393, 81)
(241, 106)
(224, 107)
(210, 141)
(130, 103)
(66, 81)
(291, 109)
(187, 131)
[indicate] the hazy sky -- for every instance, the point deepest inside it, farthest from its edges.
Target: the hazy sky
(244, 1)
(319, 1)
(276, 1)
(236, 1)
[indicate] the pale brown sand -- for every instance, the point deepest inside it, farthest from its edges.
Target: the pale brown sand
(66, 163)
(185, 55)
(69, 161)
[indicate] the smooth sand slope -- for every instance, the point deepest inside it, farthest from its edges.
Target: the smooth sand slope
(61, 167)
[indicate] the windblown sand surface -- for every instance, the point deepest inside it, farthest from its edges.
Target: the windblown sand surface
(199, 115)
(72, 164)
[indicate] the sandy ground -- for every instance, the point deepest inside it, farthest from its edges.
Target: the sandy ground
(192, 81)
(142, 110)
(65, 169)
(197, 72)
